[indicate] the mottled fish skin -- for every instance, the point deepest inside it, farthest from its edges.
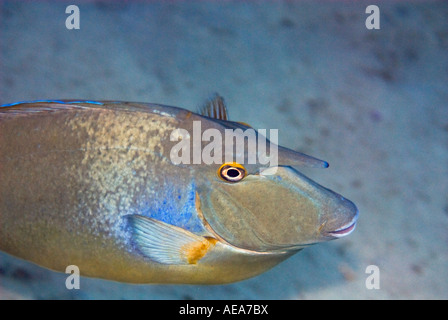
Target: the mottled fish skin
(73, 172)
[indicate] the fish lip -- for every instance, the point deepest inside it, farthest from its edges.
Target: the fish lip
(345, 229)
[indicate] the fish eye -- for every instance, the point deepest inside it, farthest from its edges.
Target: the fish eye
(232, 172)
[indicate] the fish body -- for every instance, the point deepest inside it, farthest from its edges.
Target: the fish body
(92, 184)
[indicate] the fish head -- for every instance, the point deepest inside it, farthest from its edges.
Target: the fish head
(275, 209)
(261, 207)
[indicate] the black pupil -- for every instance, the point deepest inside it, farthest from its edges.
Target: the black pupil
(233, 173)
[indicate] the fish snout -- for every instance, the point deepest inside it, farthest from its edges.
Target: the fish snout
(340, 222)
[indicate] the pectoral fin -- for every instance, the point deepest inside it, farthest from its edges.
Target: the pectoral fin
(168, 244)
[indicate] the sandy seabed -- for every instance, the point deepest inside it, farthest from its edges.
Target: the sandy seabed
(373, 103)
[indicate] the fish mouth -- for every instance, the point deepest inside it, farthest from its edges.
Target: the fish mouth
(346, 229)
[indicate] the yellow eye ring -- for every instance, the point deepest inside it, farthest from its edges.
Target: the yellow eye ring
(232, 172)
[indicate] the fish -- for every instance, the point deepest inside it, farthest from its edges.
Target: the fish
(92, 184)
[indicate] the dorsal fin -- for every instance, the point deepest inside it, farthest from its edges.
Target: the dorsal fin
(215, 108)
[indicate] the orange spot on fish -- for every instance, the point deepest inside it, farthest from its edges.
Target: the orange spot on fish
(321, 227)
(195, 251)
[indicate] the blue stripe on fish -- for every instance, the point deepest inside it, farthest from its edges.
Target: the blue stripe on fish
(52, 101)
